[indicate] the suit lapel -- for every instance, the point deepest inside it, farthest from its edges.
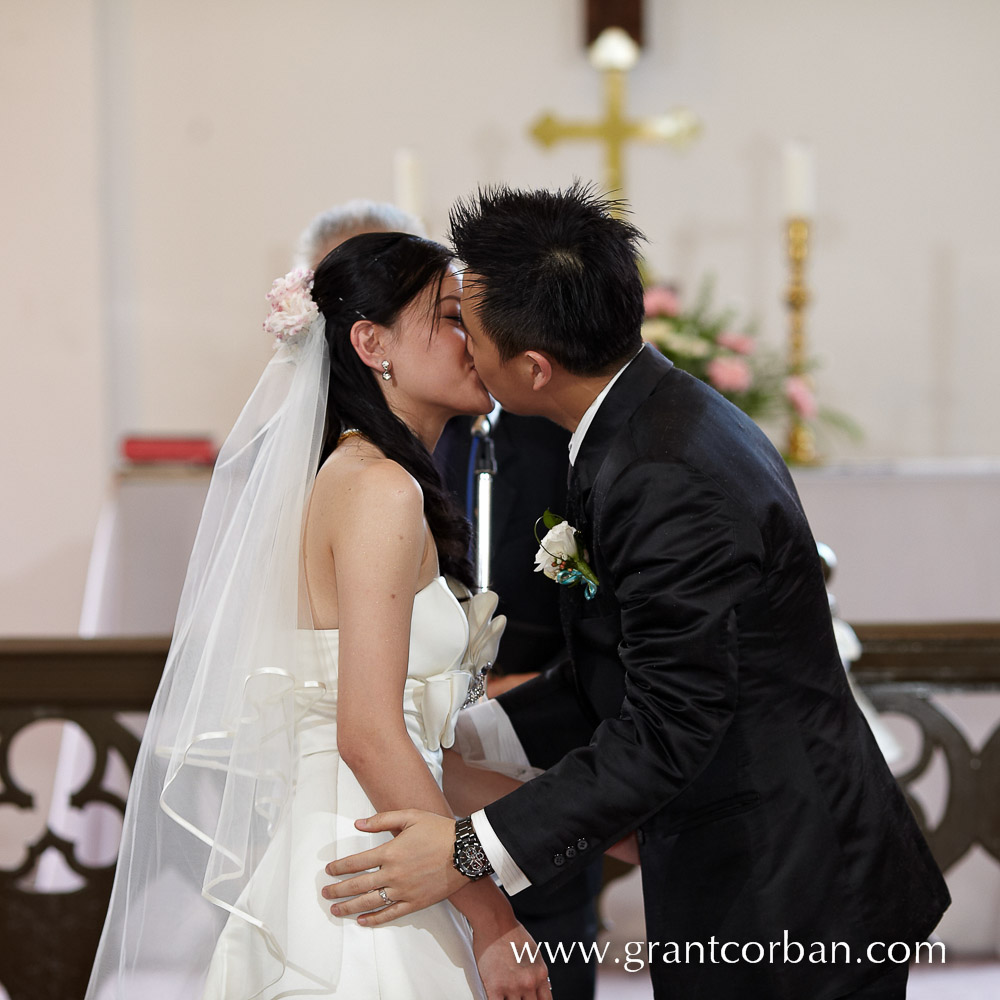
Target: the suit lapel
(635, 384)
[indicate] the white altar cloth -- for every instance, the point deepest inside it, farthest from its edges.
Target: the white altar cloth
(915, 540)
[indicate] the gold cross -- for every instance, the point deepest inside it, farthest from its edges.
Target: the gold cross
(613, 57)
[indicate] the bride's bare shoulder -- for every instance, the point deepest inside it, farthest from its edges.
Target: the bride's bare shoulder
(358, 477)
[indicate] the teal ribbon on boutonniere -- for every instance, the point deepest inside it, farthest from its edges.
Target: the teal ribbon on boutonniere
(559, 557)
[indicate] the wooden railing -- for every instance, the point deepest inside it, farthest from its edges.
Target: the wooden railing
(49, 939)
(903, 667)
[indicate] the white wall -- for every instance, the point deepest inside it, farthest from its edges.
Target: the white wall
(52, 381)
(168, 155)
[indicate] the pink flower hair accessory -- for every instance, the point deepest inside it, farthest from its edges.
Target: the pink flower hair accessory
(292, 307)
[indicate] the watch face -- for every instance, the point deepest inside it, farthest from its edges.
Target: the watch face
(474, 860)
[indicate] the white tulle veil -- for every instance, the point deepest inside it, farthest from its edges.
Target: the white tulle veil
(217, 762)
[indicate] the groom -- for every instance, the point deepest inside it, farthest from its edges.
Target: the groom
(706, 708)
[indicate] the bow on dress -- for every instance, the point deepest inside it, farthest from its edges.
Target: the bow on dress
(444, 694)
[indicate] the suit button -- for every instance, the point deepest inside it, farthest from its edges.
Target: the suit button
(582, 844)
(640, 837)
(571, 851)
(559, 860)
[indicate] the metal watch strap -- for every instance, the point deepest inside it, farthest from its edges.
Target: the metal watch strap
(470, 858)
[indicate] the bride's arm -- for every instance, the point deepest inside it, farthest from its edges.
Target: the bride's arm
(377, 537)
(378, 541)
(377, 569)
(469, 789)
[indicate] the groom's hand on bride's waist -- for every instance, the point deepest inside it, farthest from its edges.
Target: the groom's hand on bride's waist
(415, 869)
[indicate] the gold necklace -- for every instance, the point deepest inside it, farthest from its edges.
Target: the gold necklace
(350, 432)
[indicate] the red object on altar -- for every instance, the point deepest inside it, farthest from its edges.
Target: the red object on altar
(183, 450)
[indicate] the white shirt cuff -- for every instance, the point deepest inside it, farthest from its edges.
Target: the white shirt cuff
(511, 877)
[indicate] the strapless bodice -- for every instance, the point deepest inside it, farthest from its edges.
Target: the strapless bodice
(438, 675)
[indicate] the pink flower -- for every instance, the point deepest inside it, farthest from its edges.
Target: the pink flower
(729, 374)
(801, 397)
(661, 301)
(292, 306)
(740, 343)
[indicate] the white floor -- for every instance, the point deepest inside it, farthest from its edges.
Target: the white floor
(963, 980)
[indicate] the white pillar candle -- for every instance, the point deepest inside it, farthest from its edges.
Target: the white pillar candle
(406, 182)
(800, 180)
(614, 48)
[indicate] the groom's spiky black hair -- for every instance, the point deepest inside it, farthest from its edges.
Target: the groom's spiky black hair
(552, 271)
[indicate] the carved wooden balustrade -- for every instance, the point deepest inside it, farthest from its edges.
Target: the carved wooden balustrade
(49, 939)
(902, 669)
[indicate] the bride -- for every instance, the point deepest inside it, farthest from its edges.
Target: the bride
(324, 645)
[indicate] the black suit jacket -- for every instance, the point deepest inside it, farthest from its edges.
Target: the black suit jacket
(707, 707)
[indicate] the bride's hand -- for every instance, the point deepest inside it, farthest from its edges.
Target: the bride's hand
(497, 954)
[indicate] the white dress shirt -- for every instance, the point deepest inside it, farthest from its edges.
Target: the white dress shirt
(576, 441)
(491, 719)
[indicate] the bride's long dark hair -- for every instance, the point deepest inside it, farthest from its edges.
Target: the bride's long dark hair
(375, 276)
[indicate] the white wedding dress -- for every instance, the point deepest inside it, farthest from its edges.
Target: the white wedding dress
(425, 955)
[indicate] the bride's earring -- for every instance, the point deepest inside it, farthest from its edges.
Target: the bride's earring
(386, 374)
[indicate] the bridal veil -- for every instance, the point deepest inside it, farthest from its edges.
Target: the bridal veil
(217, 763)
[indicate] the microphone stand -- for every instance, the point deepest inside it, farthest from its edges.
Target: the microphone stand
(484, 470)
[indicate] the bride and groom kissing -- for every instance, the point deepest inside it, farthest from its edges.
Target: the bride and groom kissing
(705, 707)
(703, 720)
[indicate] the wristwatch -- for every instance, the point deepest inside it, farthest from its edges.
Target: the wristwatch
(470, 858)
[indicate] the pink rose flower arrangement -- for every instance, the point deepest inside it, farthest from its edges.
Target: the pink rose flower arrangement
(706, 343)
(800, 395)
(739, 343)
(729, 374)
(292, 306)
(661, 301)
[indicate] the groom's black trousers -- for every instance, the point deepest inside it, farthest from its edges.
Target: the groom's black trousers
(891, 986)
(565, 922)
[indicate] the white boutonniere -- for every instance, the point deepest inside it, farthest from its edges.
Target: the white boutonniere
(559, 556)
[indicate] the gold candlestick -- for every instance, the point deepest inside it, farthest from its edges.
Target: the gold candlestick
(801, 448)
